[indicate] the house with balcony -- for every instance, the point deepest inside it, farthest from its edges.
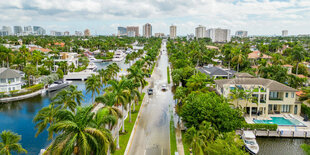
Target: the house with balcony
(267, 96)
(10, 80)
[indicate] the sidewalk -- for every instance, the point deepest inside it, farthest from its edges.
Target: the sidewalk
(178, 134)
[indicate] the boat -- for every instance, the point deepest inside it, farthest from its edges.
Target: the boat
(250, 143)
(118, 56)
(92, 59)
(57, 85)
(92, 67)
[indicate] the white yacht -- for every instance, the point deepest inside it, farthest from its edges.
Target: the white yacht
(250, 143)
(93, 59)
(57, 85)
(118, 55)
(91, 66)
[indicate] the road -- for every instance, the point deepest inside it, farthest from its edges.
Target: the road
(152, 132)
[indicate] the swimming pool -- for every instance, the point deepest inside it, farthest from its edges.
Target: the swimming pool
(280, 121)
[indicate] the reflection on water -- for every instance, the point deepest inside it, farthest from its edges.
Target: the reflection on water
(281, 146)
(17, 116)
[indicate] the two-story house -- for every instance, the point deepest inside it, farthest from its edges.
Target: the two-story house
(268, 96)
(9, 80)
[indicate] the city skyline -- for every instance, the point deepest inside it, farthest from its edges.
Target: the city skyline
(258, 17)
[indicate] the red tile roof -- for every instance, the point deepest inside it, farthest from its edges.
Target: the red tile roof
(257, 54)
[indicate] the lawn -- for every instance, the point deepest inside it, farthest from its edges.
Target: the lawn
(173, 140)
(185, 146)
(168, 75)
(124, 138)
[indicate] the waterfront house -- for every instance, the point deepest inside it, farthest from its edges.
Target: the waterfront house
(69, 57)
(269, 96)
(9, 80)
(216, 72)
(257, 55)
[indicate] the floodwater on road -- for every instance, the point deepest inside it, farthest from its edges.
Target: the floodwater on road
(152, 133)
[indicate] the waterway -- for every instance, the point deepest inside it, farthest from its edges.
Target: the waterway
(18, 116)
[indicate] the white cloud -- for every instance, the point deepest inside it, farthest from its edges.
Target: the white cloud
(257, 16)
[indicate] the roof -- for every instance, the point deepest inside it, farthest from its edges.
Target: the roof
(257, 54)
(287, 65)
(6, 73)
(299, 93)
(216, 71)
(301, 76)
(243, 75)
(271, 84)
(212, 47)
(45, 50)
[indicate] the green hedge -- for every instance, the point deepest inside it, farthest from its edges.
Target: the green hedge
(168, 75)
(305, 109)
(271, 127)
(30, 89)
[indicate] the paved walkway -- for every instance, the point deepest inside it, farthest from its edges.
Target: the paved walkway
(178, 134)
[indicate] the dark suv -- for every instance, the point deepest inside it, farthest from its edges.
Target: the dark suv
(150, 91)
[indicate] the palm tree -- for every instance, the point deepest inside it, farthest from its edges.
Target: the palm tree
(24, 50)
(113, 69)
(119, 88)
(238, 58)
(137, 75)
(9, 142)
(237, 94)
(78, 133)
(37, 57)
(30, 71)
(93, 85)
(197, 81)
(134, 95)
(69, 98)
(45, 117)
(298, 55)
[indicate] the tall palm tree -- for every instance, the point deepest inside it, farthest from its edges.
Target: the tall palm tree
(137, 75)
(113, 69)
(298, 55)
(37, 57)
(119, 88)
(237, 94)
(78, 133)
(93, 85)
(24, 50)
(9, 142)
(239, 58)
(45, 117)
(69, 98)
(133, 95)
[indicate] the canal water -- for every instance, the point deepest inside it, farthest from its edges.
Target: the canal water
(18, 116)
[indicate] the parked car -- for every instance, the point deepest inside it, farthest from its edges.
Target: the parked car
(150, 91)
(164, 87)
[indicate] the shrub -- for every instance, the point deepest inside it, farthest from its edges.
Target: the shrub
(305, 109)
(271, 127)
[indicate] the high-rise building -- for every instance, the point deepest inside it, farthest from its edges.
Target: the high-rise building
(27, 30)
(18, 30)
(56, 33)
(200, 32)
(131, 33)
(121, 31)
(135, 29)
(173, 31)
(147, 30)
(78, 33)
(38, 30)
(87, 32)
(219, 35)
(284, 33)
(66, 33)
(7, 30)
(241, 33)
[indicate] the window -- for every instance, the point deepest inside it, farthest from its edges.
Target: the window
(3, 81)
(293, 94)
(286, 95)
(273, 95)
(11, 79)
(17, 79)
(285, 108)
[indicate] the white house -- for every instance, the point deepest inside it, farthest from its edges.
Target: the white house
(9, 80)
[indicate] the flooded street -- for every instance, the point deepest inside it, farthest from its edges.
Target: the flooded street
(152, 133)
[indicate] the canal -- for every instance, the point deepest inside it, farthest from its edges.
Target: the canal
(18, 116)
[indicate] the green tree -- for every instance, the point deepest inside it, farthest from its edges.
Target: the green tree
(9, 142)
(93, 85)
(306, 148)
(69, 98)
(298, 55)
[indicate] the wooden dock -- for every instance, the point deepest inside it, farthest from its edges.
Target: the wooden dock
(279, 133)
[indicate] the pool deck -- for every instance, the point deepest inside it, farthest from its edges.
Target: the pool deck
(287, 131)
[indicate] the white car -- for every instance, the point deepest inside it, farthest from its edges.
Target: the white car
(164, 87)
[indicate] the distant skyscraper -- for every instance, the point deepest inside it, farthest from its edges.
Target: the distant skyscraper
(173, 31)
(131, 33)
(284, 33)
(7, 29)
(18, 30)
(135, 29)
(56, 33)
(121, 31)
(66, 33)
(147, 30)
(200, 32)
(241, 33)
(78, 33)
(219, 35)
(38, 30)
(27, 30)
(87, 33)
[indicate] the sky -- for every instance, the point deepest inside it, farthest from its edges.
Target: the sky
(258, 17)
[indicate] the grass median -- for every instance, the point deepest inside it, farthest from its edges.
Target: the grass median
(185, 146)
(173, 140)
(124, 137)
(168, 75)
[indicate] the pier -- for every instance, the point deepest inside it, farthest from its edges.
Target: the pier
(279, 133)
(83, 75)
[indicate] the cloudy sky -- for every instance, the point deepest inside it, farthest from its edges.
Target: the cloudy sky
(259, 17)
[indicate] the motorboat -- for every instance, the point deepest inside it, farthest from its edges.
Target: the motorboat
(91, 66)
(118, 56)
(57, 85)
(250, 143)
(92, 59)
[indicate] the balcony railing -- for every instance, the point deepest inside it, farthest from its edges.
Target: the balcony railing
(276, 99)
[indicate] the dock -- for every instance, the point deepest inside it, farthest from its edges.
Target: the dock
(279, 133)
(83, 75)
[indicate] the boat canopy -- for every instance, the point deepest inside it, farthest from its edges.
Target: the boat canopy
(248, 134)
